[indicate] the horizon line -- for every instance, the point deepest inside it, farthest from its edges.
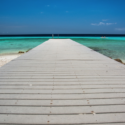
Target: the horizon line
(61, 34)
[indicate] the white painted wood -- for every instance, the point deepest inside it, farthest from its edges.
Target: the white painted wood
(62, 110)
(59, 102)
(62, 82)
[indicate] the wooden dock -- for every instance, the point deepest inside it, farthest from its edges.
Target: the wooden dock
(62, 82)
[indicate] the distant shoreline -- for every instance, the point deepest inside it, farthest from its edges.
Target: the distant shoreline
(68, 35)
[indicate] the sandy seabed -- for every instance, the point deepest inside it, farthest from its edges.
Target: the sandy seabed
(7, 58)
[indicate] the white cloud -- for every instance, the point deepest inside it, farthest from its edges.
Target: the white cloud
(102, 23)
(120, 29)
(98, 24)
(110, 23)
(104, 19)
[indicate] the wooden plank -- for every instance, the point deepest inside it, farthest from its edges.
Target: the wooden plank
(110, 109)
(62, 119)
(59, 102)
(62, 96)
(78, 91)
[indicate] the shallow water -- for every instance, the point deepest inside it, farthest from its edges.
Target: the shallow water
(113, 47)
(14, 45)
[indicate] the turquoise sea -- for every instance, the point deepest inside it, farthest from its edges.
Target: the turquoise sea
(113, 47)
(10, 45)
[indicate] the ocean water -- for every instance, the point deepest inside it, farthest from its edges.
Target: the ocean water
(113, 47)
(10, 45)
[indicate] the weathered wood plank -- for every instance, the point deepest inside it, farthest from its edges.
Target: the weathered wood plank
(78, 91)
(110, 109)
(62, 119)
(59, 102)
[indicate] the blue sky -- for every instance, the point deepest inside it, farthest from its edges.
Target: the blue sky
(62, 16)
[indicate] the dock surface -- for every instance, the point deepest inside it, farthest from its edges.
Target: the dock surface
(62, 82)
